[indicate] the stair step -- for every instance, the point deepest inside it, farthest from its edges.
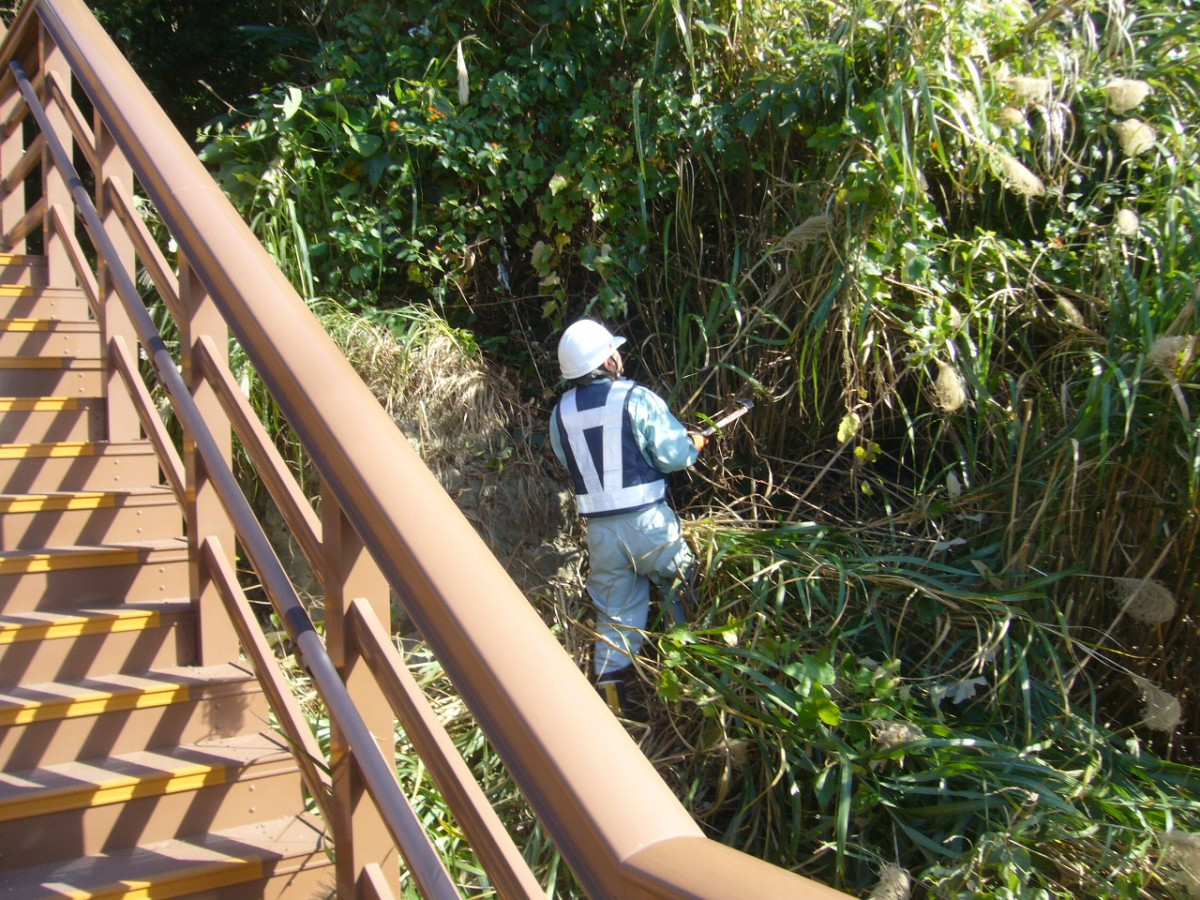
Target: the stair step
(102, 575)
(49, 419)
(52, 701)
(51, 376)
(69, 810)
(30, 302)
(104, 715)
(21, 269)
(77, 466)
(87, 517)
(69, 646)
(42, 338)
(39, 626)
(263, 860)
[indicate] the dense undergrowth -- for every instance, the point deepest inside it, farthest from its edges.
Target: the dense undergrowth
(948, 638)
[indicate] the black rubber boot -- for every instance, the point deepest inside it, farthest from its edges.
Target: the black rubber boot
(624, 693)
(611, 687)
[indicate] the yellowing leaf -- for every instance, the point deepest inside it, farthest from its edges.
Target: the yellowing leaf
(868, 452)
(848, 427)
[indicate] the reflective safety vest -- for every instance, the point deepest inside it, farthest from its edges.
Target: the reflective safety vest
(608, 469)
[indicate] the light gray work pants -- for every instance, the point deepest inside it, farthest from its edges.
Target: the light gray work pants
(627, 552)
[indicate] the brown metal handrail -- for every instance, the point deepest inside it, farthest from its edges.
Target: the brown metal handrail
(616, 823)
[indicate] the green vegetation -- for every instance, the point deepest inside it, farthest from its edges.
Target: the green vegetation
(202, 61)
(947, 637)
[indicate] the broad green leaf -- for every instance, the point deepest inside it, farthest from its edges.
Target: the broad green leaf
(829, 713)
(291, 103)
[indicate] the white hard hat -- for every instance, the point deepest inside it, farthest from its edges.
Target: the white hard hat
(584, 347)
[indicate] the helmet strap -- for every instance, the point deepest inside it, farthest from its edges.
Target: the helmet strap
(613, 365)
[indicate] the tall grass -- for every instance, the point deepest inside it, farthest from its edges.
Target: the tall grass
(968, 307)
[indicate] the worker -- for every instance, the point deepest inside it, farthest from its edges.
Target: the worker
(618, 440)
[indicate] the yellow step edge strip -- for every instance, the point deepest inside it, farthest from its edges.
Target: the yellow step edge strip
(117, 622)
(119, 789)
(38, 404)
(46, 451)
(26, 325)
(17, 290)
(40, 563)
(25, 711)
(177, 883)
(35, 503)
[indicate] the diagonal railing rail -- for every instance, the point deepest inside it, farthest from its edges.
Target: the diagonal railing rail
(385, 523)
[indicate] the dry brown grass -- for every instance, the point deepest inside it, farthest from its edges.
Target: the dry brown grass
(430, 379)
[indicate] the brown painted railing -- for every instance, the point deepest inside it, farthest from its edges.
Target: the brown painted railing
(385, 523)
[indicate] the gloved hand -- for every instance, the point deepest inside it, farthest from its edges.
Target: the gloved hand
(699, 440)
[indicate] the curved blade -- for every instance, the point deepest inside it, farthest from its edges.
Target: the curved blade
(744, 405)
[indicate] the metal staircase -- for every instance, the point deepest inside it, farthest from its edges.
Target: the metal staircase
(126, 768)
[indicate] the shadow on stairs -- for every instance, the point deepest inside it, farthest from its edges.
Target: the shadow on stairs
(126, 768)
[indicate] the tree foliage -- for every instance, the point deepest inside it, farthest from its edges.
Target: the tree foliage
(204, 59)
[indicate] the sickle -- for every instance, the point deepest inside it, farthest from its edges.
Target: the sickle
(744, 405)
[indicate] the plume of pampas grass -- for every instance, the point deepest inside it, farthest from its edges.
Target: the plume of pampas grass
(1032, 90)
(811, 229)
(1011, 116)
(894, 884)
(1018, 178)
(1146, 600)
(949, 391)
(889, 735)
(1136, 136)
(1127, 222)
(1160, 710)
(1173, 354)
(1124, 94)
(1069, 311)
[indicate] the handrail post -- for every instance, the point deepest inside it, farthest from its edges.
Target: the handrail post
(55, 189)
(115, 322)
(360, 833)
(206, 517)
(12, 148)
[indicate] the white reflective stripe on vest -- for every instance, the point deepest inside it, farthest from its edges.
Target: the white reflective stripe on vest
(605, 491)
